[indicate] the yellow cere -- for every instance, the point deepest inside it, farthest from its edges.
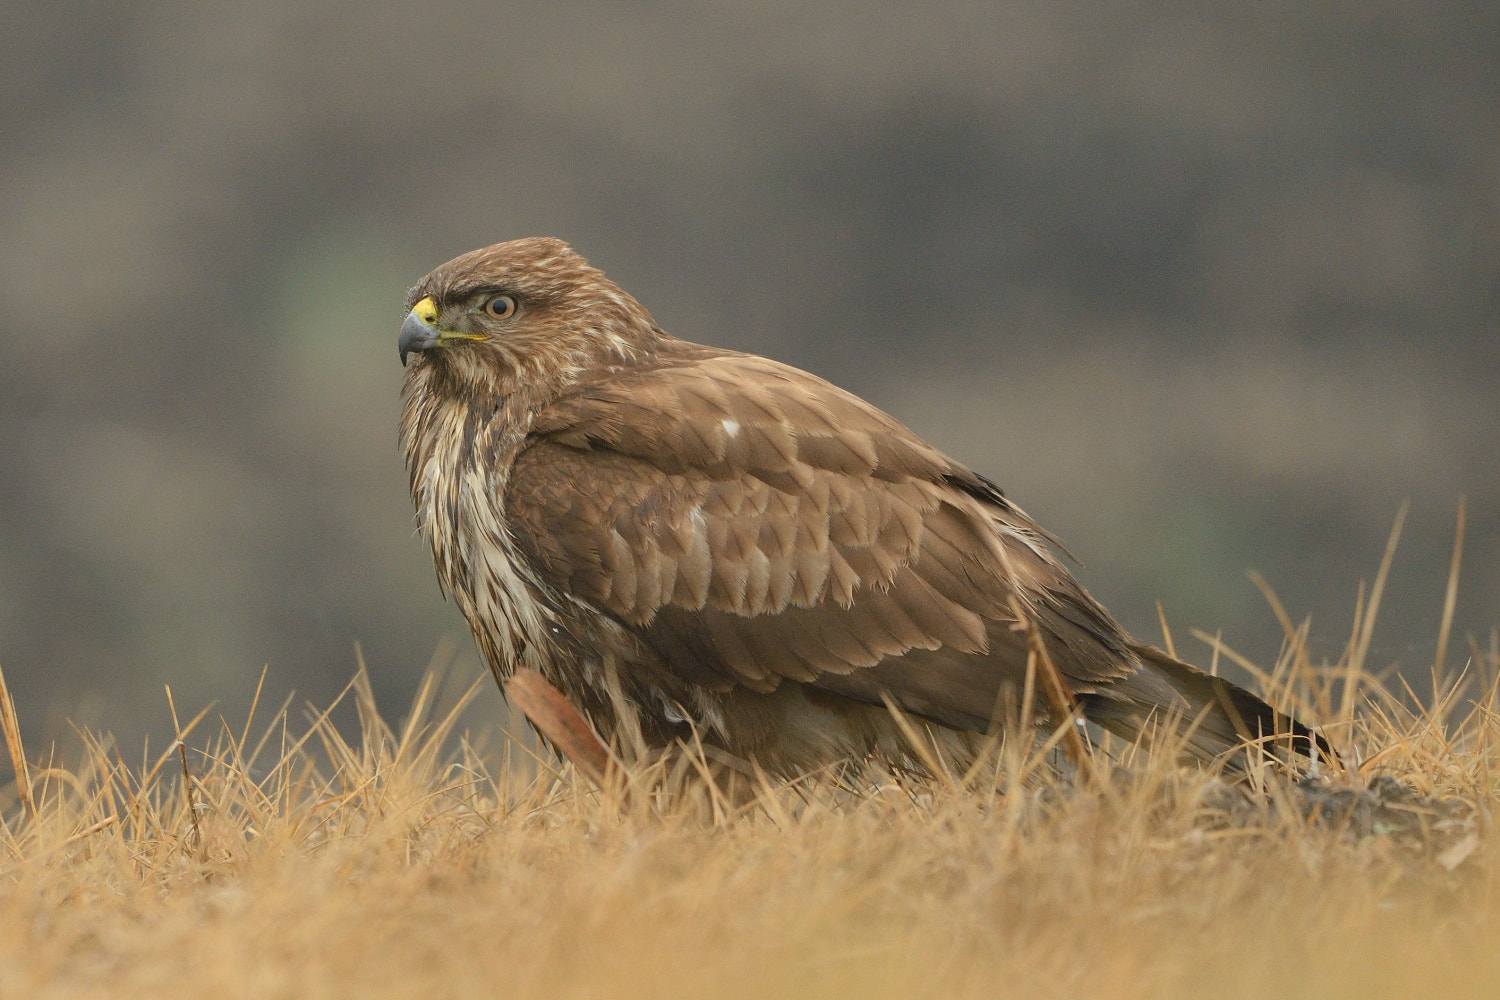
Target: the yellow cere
(426, 311)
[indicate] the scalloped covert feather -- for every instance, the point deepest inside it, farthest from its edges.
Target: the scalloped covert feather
(681, 536)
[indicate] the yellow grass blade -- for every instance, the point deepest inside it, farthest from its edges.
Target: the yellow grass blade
(12, 727)
(1450, 601)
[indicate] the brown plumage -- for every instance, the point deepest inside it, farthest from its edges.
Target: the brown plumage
(681, 536)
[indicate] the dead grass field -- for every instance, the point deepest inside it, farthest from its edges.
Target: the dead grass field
(297, 862)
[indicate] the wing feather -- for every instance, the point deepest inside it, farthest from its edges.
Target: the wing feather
(755, 524)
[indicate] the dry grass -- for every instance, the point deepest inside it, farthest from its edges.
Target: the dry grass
(293, 862)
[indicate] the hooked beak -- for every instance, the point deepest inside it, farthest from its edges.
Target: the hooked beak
(419, 331)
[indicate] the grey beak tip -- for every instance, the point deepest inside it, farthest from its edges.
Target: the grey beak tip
(415, 336)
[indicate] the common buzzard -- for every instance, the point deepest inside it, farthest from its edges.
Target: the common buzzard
(680, 536)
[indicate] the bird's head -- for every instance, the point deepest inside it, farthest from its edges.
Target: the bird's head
(530, 313)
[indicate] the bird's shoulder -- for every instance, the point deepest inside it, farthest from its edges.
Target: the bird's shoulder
(725, 413)
(740, 482)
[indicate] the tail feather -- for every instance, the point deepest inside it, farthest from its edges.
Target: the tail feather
(1214, 716)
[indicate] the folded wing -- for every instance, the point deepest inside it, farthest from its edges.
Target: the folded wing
(755, 525)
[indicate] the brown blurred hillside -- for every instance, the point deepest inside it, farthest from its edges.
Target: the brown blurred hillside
(1205, 288)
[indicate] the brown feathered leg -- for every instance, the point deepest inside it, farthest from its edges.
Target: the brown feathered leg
(555, 718)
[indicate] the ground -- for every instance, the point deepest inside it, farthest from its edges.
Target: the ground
(408, 862)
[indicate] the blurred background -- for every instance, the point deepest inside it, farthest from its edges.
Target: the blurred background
(1207, 288)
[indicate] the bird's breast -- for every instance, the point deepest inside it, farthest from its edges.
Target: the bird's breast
(459, 496)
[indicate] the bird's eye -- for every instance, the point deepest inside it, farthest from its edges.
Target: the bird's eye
(501, 307)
